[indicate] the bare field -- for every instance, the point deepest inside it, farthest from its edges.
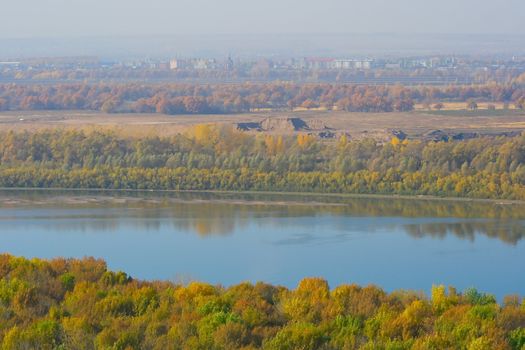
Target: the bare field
(358, 125)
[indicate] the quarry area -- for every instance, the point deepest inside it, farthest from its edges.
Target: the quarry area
(327, 125)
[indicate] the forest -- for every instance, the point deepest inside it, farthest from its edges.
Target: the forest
(237, 98)
(80, 304)
(212, 157)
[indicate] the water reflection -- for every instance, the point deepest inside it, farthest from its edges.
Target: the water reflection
(209, 214)
(507, 231)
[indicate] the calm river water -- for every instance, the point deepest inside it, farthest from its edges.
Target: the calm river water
(280, 239)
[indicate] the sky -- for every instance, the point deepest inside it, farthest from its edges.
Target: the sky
(81, 18)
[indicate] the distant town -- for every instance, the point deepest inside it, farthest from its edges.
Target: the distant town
(438, 70)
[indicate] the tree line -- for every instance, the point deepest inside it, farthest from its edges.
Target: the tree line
(80, 304)
(236, 98)
(219, 158)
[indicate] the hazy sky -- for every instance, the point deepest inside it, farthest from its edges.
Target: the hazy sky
(59, 18)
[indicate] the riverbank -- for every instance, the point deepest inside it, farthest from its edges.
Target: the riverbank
(94, 195)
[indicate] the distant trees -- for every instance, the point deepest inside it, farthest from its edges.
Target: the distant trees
(439, 106)
(309, 104)
(237, 98)
(403, 105)
(472, 105)
(520, 104)
(3, 104)
(109, 106)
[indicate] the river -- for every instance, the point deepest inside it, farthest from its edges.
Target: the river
(280, 239)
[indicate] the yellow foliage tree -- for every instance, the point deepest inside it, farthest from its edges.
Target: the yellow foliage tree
(395, 141)
(305, 140)
(279, 147)
(205, 134)
(343, 141)
(269, 142)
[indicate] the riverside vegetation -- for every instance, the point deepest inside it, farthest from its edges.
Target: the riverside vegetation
(80, 304)
(221, 158)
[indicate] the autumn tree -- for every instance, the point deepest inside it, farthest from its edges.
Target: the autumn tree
(439, 106)
(305, 140)
(472, 105)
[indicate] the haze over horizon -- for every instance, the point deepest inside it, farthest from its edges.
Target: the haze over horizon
(163, 28)
(77, 18)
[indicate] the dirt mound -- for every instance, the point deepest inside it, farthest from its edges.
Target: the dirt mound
(284, 124)
(400, 134)
(249, 126)
(316, 124)
(436, 135)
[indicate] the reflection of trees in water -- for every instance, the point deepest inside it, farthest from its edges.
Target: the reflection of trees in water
(223, 213)
(203, 219)
(434, 208)
(509, 232)
(298, 204)
(88, 226)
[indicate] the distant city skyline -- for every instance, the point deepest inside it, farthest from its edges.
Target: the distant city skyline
(80, 18)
